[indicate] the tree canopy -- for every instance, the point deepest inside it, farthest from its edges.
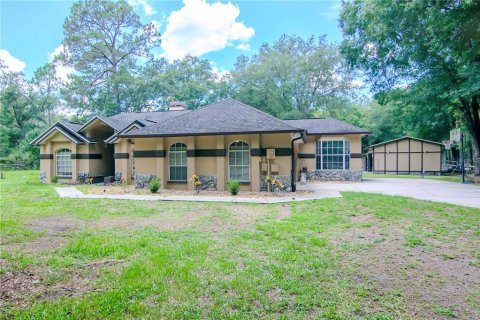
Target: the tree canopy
(103, 42)
(432, 48)
(293, 77)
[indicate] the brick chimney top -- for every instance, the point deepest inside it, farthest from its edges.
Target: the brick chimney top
(177, 106)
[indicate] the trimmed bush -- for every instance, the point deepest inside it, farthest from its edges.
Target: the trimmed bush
(233, 187)
(154, 185)
(55, 179)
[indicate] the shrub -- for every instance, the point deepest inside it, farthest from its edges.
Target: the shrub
(233, 186)
(154, 185)
(55, 179)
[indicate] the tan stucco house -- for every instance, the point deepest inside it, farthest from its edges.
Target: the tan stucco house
(219, 142)
(404, 155)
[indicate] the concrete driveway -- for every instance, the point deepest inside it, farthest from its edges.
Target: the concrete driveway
(423, 189)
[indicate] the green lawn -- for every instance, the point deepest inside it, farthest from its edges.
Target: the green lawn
(362, 256)
(455, 178)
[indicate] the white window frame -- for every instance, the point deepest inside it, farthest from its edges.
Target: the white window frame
(181, 165)
(63, 158)
(344, 154)
(236, 152)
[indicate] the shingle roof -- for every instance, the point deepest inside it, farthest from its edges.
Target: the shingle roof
(223, 117)
(326, 126)
(147, 118)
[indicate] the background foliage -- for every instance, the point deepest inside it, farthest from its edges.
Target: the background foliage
(421, 86)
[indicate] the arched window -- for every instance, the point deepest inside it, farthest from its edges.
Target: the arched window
(239, 161)
(63, 163)
(177, 162)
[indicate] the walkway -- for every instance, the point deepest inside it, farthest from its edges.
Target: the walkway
(422, 189)
(72, 192)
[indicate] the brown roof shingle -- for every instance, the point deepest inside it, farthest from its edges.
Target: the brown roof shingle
(223, 117)
(326, 126)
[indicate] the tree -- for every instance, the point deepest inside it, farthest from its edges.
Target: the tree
(48, 86)
(191, 80)
(19, 115)
(294, 77)
(431, 47)
(103, 41)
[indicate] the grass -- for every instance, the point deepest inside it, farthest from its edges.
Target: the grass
(450, 178)
(216, 260)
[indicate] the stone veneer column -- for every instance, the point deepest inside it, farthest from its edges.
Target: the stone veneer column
(221, 181)
(160, 162)
(255, 165)
(190, 162)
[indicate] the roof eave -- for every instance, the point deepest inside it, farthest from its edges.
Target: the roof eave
(336, 133)
(71, 134)
(97, 118)
(403, 138)
(205, 133)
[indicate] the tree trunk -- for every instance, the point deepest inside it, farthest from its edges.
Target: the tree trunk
(471, 113)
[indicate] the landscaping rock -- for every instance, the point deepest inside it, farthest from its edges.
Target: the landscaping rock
(118, 176)
(208, 183)
(43, 177)
(334, 175)
(82, 177)
(142, 180)
(286, 180)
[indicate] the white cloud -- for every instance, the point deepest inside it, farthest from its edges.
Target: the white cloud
(333, 11)
(220, 73)
(12, 63)
(200, 27)
(147, 7)
(63, 71)
(244, 46)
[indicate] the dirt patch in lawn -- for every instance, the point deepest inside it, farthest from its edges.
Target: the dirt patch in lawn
(285, 212)
(205, 218)
(54, 232)
(433, 279)
(19, 288)
(56, 224)
(38, 245)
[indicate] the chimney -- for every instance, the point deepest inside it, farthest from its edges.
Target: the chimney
(177, 106)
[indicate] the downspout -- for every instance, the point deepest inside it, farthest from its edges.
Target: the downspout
(293, 185)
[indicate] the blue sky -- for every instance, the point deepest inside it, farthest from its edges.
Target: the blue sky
(32, 30)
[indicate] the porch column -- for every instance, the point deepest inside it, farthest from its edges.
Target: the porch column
(221, 181)
(190, 163)
(160, 162)
(255, 165)
(49, 164)
(121, 163)
(75, 165)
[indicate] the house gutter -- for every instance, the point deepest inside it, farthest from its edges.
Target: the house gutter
(292, 172)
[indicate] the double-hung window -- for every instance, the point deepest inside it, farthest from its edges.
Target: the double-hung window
(64, 163)
(333, 155)
(177, 162)
(239, 161)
